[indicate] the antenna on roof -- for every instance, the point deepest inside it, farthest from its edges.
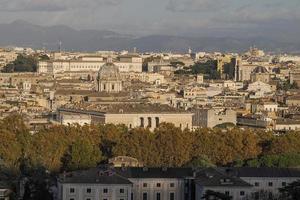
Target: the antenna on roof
(59, 46)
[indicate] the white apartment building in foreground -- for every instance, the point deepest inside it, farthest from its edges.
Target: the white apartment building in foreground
(143, 183)
(134, 183)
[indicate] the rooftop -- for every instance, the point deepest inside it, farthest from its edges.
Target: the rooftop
(110, 175)
(123, 108)
(265, 172)
(216, 177)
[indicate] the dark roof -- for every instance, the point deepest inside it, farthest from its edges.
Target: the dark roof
(218, 178)
(95, 176)
(123, 108)
(120, 175)
(144, 172)
(265, 172)
(260, 69)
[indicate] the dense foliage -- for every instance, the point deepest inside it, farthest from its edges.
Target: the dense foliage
(291, 191)
(209, 69)
(23, 63)
(63, 148)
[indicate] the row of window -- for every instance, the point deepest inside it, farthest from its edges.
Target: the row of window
(145, 196)
(89, 190)
(158, 196)
(270, 184)
(91, 199)
(105, 190)
(159, 185)
(149, 119)
(242, 193)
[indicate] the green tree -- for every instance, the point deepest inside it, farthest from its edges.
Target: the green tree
(23, 63)
(81, 155)
(212, 195)
(200, 162)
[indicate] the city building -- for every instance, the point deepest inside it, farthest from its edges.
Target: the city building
(217, 180)
(260, 74)
(129, 63)
(109, 79)
(126, 183)
(131, 115)
(209, 118)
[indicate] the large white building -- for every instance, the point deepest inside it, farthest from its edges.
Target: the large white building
(131, 115)
(143, 183)
(126, 63)
(133, 183)
(244, 183)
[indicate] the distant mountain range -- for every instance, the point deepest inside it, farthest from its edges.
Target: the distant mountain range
(22, 33)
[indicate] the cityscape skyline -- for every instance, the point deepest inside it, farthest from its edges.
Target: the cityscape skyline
(149, 100)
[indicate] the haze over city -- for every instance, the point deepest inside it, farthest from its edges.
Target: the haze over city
(272, 24)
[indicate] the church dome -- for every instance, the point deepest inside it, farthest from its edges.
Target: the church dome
(109, 71)
(260, 70)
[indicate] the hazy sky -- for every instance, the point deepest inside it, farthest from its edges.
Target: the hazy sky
(155, 16)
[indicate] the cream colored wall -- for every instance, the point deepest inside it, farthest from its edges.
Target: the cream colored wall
(183, 120)
(152, 188)
(97, 192)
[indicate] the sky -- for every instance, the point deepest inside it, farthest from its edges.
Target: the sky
(172, 17)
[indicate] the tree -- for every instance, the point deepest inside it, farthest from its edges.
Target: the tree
(23, 63)
(212, 195)
(291, 191)
(37, 181)
(200, 162)
(81, 155)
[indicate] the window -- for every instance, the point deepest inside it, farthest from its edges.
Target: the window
(242, 193)
(145, 196)
(149, 122)
(145, 184)
(256, 195)
(172, 196)
(105, 190)
(156, 121)
(71, 199)
(87, 199)
(270, 184)
(121, 190)
(256, 184)
(172, 185)
(104, 86)
(283, 184)
(158, 196)
(227, 193)
(142, 122)
(88, 190)
(112, 87)
(72, 190)
(158, 185)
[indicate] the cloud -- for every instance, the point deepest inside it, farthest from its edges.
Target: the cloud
(195, 5)
(52, 5)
